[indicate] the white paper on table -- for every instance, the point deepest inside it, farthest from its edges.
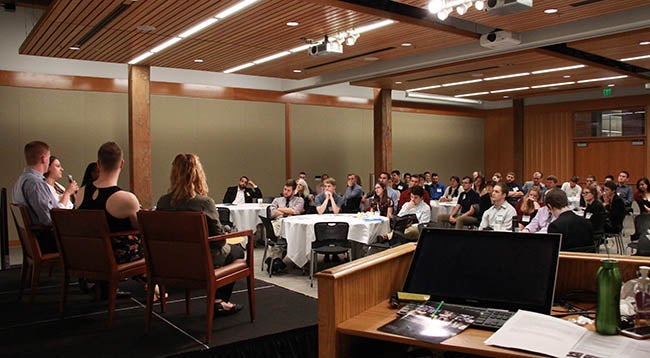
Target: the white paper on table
(537, 332)
(597, 345)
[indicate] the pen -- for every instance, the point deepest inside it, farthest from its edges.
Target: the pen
(438, 308)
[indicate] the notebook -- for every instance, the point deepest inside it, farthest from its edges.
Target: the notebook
(486, 269)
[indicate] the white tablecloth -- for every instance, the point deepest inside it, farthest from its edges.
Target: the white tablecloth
(245, 216)
(299, 232)
(438, 208)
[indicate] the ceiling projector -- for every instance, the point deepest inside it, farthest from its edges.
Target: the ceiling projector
(500, 40)
(326, 48)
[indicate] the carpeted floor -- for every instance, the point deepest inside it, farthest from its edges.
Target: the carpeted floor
(36, 331)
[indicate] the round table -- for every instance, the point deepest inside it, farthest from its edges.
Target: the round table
(440, 207)
(299, 231)
(245, 216)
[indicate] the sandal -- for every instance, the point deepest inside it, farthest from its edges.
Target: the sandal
(156, 292)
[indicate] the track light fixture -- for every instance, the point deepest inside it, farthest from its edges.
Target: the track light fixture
(443, 8)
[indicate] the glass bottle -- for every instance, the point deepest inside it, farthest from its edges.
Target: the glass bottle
(642, 297)
(608, 314)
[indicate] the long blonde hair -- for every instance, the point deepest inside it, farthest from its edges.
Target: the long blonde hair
(528, 207)
(187, 179)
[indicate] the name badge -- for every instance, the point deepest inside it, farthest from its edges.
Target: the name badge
(439, 190)
(588, 216)
(525, 218)
(515, 189)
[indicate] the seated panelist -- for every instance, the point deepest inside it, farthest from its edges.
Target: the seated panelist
(241, 193)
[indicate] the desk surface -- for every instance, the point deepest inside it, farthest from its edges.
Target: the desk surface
(366, 325)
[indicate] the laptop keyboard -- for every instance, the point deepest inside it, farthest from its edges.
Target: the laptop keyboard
(486, 318)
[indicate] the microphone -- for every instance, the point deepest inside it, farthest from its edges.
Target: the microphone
(70, 178)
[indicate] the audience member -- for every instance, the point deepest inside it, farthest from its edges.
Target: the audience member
(241, 193)
(321, 184)
(452, 191)
(537, 181)
(485, 200)
(528, 206)
(496, 177)
(551, 182)
(417, 207)
(571, 188)
(541, 220)
(514, 190)
(286, 205)
(478, 184)
(475, 174)
(594, 210)
(464, 212)
(427, 180)
(328, 202)
(353, 194)
(436, 189)
(642, 195)
(119, 205)
(302, 191)
(405, 196)
(397, 183)
(624, 191)
(303, 176)
(393, 194)
(590, 180)
(91, 174)
(576, 231)
(407, 177)
(499, 216)
(31, 190)
(64, 197)
(609, 177)
(381, 202)
(614, 207)
(188, 191)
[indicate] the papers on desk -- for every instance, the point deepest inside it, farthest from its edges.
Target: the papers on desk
(556, 337)
(429, 324)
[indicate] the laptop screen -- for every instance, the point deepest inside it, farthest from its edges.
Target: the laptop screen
(488, 269)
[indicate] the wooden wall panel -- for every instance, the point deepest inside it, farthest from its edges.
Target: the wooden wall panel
(548, 144)
(499, 142)
(620, 154)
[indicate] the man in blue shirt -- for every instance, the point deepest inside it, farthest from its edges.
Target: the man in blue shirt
(436, 189)
(624, 191)
(328, 201)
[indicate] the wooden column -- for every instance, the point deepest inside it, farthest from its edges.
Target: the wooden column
(287, 140)
(382, 131)
(518, 138)
(140, 134)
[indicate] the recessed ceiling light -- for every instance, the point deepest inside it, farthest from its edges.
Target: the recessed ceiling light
(371, 59)
(566, 76)
(297, 71)
(643, 43)
(398, 82)
(506, 96)
(611, 85)
(407, 44)
(146, 28)
(198, 60)
(74, 48)
(550, 11)
(293, 23)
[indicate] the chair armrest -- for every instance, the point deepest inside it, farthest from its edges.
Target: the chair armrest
(248, 233)
(124, 233)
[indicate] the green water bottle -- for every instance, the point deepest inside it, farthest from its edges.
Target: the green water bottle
(608, 315)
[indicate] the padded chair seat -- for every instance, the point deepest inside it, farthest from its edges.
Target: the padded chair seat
(235, 266)
(331, 249)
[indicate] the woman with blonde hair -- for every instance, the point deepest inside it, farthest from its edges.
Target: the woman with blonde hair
(188, 191)
(527, 206)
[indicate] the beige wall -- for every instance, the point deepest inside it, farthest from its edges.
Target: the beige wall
(232, 138)
(443, 144)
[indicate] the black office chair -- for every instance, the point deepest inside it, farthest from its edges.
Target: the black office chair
(224, 218)
(331, 239)
(351, 206)
(267, 199)
(271, 240)
(399, 226)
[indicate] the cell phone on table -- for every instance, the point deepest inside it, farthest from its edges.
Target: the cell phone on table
(642, 332)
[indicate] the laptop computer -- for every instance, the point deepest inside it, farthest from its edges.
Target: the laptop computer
(489, 271)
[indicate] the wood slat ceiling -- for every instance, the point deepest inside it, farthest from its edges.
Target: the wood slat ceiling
(261, 30)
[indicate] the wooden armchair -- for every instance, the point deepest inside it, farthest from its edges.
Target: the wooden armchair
(33, 259)
(178, 254)
(85, 244)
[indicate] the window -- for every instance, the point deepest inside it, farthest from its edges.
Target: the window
(610, 123)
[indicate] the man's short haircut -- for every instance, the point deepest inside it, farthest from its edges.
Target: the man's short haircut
(418, 191)
(503, 186)
(611, 185)
(538, 174)
(552, 178)
(511, 173)
(34, 150)
(330, 181)
(243, 177)
(300, 173)
(491, 183)
(396, 172)
(609, 176)
(387, 174)
(591, 177)
(291, 183)
(468, 178)
(556, 199)
(594, 191)
(627, 174)
(425, 173)
(109, 156)
(454, 177)
(575, 179)
(434, 174)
